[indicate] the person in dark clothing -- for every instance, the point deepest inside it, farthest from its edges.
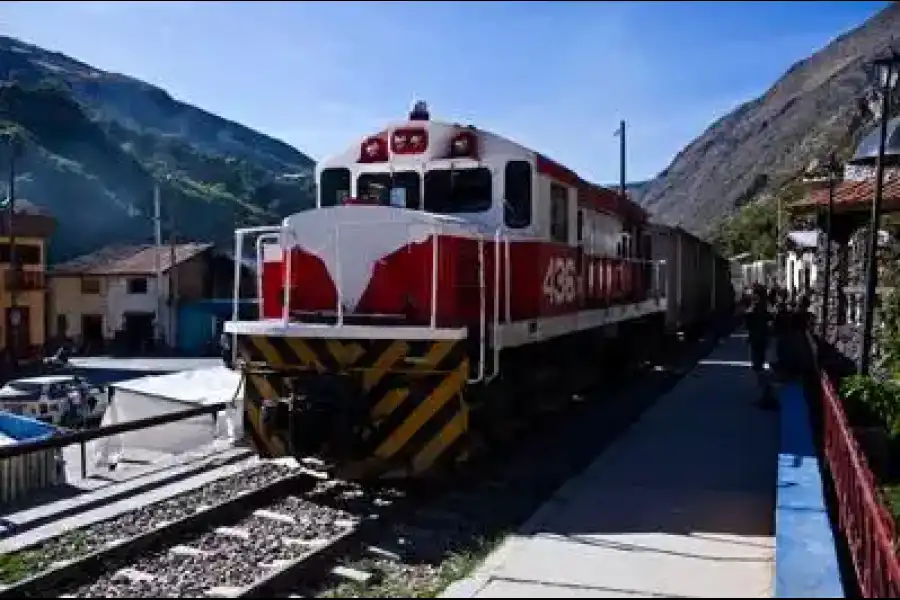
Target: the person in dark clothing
(803, 318)
(782, 324)
(758, 320)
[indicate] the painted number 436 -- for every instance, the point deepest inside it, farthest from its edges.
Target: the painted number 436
(559, 280)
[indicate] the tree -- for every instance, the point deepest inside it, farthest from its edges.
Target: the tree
(752, 229)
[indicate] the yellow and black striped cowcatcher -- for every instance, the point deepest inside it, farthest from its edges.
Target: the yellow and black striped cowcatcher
(413, 390)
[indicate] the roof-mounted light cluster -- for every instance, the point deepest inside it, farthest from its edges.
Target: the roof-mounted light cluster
(409, 140)
(373, 149)
(464, 145)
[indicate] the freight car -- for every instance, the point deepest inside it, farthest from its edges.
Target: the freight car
(446, 275)
(698, 279)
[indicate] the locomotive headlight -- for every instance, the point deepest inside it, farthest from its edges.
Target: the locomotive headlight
(461, 145)
(400, 141)
(372, 148)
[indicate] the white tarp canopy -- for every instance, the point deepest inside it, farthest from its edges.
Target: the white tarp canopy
(162, 394)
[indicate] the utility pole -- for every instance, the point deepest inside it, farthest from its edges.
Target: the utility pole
(14, 319)
(888, 68)
(832, 168)
(157, 260)
(779, 254)
(173, 280)
(621, 133)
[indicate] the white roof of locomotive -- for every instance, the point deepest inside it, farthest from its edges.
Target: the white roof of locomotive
(439, 134)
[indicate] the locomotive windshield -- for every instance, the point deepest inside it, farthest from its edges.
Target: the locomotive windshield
(381, 188)
(458, 190)
(334, 186)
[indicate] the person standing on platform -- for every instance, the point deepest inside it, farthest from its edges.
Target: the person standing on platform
(758, 322)
(781, 328)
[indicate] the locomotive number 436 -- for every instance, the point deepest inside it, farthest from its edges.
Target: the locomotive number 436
(559, 281)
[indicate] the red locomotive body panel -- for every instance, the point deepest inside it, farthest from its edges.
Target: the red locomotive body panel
(546, 280)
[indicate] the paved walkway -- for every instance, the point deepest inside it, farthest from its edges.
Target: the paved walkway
(681, 506)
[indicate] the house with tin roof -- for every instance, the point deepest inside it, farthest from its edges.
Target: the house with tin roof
(131, 297)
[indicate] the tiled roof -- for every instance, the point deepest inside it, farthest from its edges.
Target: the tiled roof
(128, 260)
(857, 195)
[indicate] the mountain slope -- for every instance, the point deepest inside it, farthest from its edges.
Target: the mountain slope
(762, 147)
(97, 142)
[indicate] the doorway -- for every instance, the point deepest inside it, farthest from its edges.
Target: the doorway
(18, 330)
(139, 331)
(92, 333)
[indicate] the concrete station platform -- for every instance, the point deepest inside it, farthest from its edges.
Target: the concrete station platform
(681, 506)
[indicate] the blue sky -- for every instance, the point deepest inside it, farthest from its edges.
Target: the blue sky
(556, 76)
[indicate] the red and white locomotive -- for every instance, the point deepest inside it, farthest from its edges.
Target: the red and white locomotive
(445, 274)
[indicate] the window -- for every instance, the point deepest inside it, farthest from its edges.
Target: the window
(137, 285)
(625, 245)
(517, 193)
(26, 254)
(90, 285)
(559, 213)
(334, 186)
(458, 191)
(579, 227)
(380, 187)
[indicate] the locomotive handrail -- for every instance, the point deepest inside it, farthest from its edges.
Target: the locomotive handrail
(287, 259)
(507, 279)
(434, 277)
(260, 261)
(238, 263)
(482, 350)
(499, 236)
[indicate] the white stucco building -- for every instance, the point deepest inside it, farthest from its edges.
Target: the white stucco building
(122, 293)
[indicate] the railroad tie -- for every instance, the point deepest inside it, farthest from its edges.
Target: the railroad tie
(133, 575)
(182, 550)
(274, 516)
(355, 575)
(383, 553)
(224, 591)
(316, 543)
(235, 532)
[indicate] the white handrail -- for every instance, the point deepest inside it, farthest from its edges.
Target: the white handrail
(495, 370)
(338, 284)
(507, 277)
(260, 261)
(481, 347)
(236, 291)
(434, 277)
(288, 260)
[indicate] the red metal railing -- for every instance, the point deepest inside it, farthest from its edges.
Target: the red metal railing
(866, 524)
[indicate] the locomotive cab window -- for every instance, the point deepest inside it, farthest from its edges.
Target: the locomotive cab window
(517, 192)
(559, 213)
(451, 191)
(381, 188)
(334, 186)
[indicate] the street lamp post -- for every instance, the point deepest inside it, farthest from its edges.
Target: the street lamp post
(887, 71)
(14, 152)
(833, 169)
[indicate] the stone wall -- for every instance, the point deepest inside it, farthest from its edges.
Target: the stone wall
(848, 284)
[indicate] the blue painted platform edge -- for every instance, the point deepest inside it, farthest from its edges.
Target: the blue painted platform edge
(806, 562)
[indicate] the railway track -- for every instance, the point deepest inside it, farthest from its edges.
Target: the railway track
(283, 521)
(281, 530)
